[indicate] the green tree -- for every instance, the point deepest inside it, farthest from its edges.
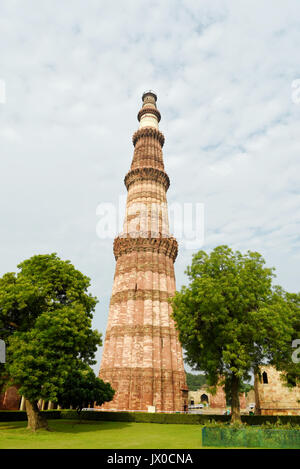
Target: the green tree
(231, 320)
(45, 318)
(82, 388)
(284, 358)
(43, 283)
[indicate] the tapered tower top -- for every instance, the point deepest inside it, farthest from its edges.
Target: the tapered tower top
(149, 95)
(149, 115)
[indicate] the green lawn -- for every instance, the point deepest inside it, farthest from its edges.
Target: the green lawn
(69, 434)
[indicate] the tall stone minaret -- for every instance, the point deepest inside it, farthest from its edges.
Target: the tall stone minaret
(142, 356)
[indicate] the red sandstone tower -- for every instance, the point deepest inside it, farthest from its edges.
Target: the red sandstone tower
(142, 356)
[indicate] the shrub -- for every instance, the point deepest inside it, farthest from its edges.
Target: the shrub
(250, 437)
(145, 417)
(273, 421)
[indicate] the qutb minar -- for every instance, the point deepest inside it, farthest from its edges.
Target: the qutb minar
(142, 356)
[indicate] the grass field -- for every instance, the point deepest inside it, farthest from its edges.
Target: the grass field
(70, 434)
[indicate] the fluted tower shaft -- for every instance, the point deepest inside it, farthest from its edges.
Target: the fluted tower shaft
(142, 356)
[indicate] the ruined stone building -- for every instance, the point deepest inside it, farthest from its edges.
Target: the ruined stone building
(142, 356)
(216, 401)
(204, 396)
(272, 397)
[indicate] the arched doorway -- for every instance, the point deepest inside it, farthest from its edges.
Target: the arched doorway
(204, 399)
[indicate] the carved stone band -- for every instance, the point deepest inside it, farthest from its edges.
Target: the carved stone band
(148, 132)
(126, 244)
(146, 174)
(149, 110)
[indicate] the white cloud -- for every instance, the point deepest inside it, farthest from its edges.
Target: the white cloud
(226, 77)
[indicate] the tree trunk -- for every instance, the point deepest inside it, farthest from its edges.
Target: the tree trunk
(35, 420)
(235, 399)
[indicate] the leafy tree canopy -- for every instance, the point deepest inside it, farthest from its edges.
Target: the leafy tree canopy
(46, 320)
(44, 283)
(40, 360)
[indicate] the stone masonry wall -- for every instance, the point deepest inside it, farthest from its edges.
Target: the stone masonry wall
(273, 397)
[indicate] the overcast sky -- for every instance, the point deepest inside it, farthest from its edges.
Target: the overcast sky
(227, 76)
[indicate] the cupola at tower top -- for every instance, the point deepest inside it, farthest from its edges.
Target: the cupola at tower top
(149, 115)
(149, 97)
